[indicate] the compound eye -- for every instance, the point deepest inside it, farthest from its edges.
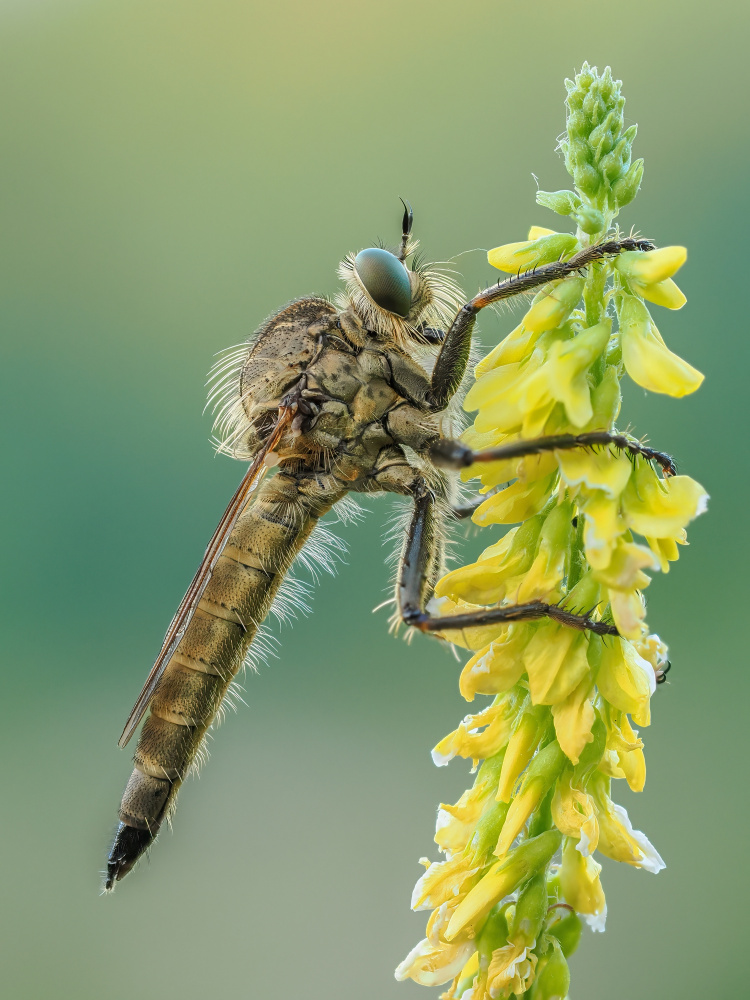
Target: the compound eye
(385, 279)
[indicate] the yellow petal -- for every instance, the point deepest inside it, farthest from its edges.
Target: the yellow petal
(597, 470)
(660, 508)
(604, 524)
(663, 293)
(574, 718)
(498, 666)
(624, 569)
(555, 660)
(554, 308)
(653, 266)
(536, 232)
(647, 360)
(626, 680)
(513, 257)
(581, 886)
(479, 736)
(515, 347)
(516, 503)
(628, 613)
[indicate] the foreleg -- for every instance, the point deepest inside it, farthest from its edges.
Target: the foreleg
(454, 354)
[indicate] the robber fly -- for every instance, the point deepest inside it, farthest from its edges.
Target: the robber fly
(350, 395)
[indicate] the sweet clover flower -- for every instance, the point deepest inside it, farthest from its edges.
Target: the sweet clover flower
(589, 529)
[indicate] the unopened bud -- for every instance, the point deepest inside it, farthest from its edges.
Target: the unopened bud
(589, 219)
(626, 187)
(531, 909)
(542, 772)
(567, 929)
(553, 978)
(562, 202)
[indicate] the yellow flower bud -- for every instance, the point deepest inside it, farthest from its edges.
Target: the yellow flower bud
(626, 680)
(542, 772)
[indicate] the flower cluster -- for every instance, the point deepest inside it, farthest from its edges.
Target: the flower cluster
(519, 874)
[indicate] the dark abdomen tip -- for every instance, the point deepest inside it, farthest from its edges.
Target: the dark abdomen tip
(128, 846)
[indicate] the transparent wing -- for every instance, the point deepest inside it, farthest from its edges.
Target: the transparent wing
(196, 589)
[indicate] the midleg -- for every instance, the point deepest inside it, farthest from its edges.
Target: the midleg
(454, 354)
(450, 454)
(416, 583)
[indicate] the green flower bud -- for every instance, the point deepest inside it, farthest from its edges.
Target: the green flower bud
(567, 930)
(531, 909)
(589, 219)
(562, 202)
(553, 978)
(494, 934)
(488, 830)
(626, 187)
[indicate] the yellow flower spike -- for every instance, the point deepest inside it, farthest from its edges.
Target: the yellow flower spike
(626, 679)
(652, 267)
(521, 747)
(574, 717)
(516, 503)
(542, 772)
(550, 310)
(502, 879)
(648, 361)
(573, 814)
(593, 527)
(555, 660)
(617, 838)
(581, 886)
(659, 508)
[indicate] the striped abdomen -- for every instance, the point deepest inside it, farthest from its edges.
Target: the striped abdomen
(258, 554)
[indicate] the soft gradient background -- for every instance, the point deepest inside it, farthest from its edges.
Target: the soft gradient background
(172, 171)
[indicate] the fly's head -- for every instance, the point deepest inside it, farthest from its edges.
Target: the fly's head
(396, 293)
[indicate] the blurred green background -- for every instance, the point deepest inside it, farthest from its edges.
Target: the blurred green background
(172, 171)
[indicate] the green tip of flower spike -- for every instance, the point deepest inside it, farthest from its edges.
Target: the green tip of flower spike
(597, 146)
